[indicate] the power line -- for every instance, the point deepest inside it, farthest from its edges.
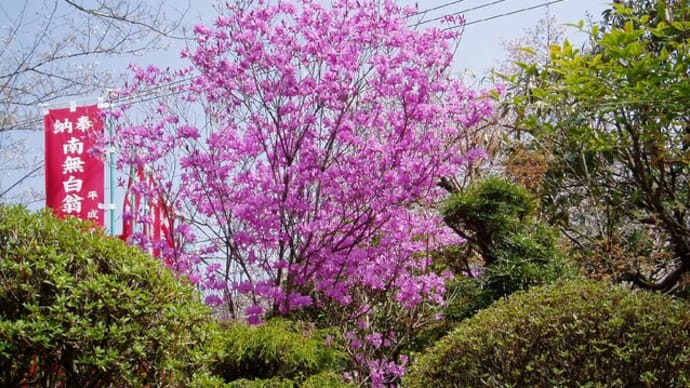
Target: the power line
(21, 125)
(149, 94)
(462, 12)
(436, 8)
(505, 14)
(144, 97)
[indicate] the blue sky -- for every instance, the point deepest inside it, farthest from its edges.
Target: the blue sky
(480, 49)
(481, 45)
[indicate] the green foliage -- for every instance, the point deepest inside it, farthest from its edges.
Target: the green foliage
(507, 250)
(578, 333)
(465, 296)
(495, 215)
(325, 380)
(614, 119)
(278, 350)
(488, 211)
(84, 310)
(319, 380)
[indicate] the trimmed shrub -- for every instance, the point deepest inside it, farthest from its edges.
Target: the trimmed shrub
(515, 250)
(578, 333)
(81, 309)
(488, 210)
(277, 351)
(320, 380)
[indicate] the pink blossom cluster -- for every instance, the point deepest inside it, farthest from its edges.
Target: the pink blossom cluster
(301, 152)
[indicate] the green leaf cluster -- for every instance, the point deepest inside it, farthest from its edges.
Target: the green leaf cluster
(497, 218)
(319, 380)
(78, 308)
(278, 353)
(613, 117)
(575, 333)
(489, 208)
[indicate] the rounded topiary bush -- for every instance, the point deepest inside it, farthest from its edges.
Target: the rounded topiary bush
(578, 333)
(80, 309)
(496, 217)
(278, 350)
(320, 380)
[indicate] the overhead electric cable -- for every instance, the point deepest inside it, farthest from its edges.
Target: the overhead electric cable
(149, 94)
(462, 12)
(448, 4)
(505, 14)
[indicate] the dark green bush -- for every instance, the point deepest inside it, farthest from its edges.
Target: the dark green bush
(320, 380)
(579, 333)
(527, 256)
(80, 309)
(276, 351)
(514, 250)
(488, 210)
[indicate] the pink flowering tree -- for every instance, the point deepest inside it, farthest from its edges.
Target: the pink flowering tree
(300, 154)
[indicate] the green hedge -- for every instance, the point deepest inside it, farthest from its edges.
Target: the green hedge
(515, 249)
(320, 380)
(278, 353)
(579, 333)
(81, 309)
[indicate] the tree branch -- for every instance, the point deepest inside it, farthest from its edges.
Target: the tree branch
(664, 285)
(20, 180)
(124, 19)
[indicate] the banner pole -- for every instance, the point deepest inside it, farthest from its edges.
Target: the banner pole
(111, 166)
(111, 172)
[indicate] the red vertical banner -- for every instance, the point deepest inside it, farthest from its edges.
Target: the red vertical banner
(74, 176)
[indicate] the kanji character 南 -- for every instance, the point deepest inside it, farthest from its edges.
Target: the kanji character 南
(73, 146)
